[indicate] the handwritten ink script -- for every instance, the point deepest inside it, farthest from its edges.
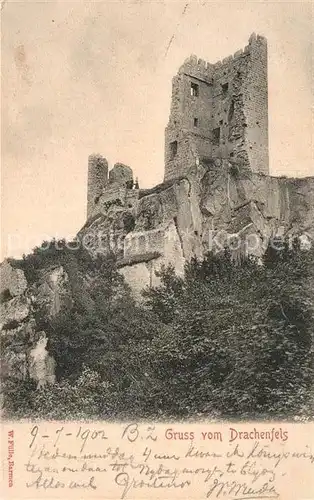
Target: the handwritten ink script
(159, 461)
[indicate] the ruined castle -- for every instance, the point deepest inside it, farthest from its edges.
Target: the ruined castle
(218, 111)
(216, 185)
(216, 191)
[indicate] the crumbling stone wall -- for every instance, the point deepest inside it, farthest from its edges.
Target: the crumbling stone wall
(255, 103)
(121, 174)
(113, 195)
(131, 198)
(184, 139)
(109, 192)
(97, 180)
(220, 111)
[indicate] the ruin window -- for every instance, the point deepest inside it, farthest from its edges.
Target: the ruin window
(5, 296)
(173, 149)
(216, 135)
(195, 122)
(194, 89)
(231, 112)
(224, 88)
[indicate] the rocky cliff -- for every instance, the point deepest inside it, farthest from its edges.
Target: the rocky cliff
(212, 206)
(24, 350)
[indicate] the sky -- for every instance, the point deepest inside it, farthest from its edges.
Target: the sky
(95, 77)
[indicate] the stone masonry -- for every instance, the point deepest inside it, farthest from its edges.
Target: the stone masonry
(220, 111)
(216, 185)
(103, 190)
(97, 179)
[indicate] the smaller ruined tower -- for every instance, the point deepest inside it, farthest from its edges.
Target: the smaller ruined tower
(121, 174)
(97, 180)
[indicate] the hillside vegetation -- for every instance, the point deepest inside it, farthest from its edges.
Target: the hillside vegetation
(226, 340)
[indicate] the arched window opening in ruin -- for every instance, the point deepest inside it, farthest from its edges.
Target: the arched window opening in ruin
(224, 88)
(231, 112)
(194, 89)
(173, 149)
(216, 136)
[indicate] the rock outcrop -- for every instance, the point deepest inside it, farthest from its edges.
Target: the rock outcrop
(24, 348)
(42, 365)
(214, 205)
(12, 280)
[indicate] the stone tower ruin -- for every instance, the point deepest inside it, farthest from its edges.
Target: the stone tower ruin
(108, 188)
(220, 111)
(96, 181)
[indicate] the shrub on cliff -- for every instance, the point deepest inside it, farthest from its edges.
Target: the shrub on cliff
(49, 252)
(85, 398)
(104, 318)
(227, 340)
(241, 336)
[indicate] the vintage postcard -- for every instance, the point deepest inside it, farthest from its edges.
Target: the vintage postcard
(157, 259)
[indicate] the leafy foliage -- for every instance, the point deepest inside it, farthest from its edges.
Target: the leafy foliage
(230, 340)
(241, 338)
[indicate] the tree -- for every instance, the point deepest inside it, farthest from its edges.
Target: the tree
(228, 339)
(241, 337)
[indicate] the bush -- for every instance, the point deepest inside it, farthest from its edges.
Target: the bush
(240, 342)
(227, 340)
